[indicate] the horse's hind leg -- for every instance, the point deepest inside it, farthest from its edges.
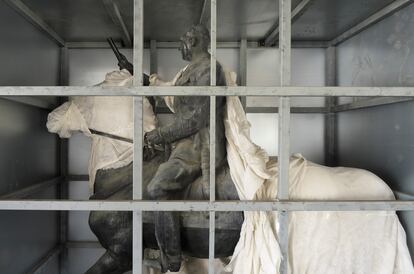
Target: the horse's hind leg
(114, 231)
(107, 265)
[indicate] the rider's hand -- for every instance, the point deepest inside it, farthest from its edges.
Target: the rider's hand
(153, 138)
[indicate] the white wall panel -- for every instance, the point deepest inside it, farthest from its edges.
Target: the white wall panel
(308, 69)
(79, 152)
(264, 133)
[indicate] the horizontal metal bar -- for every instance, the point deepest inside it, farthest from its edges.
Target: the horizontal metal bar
(290, 91)
(92, 45)
(166, 110)
(292, 110)
(41, 266)
(83, 177)
(255, 44)
(175, 45)
(378, 16)
(32, 101)
(83, 244)
(367, 103)
(309, 44)
(223, 45)
(33, 189)
(140, 205)
(160, 45)
(404, 196)
(36, 20)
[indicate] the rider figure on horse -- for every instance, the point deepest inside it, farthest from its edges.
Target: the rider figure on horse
(188, 135)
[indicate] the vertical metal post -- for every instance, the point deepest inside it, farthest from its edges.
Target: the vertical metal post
(330, 117)
(213, 68)
(64, 67)
(153, 57)
(243, 68)
(137, 252)
(63, 158)
(284, 126)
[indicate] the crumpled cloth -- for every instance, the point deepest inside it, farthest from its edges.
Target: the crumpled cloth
(109, 114)
(319, 242)
(343, 242)
(254, 176)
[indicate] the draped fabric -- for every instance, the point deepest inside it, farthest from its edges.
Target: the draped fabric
(319, 242)
(109, 114)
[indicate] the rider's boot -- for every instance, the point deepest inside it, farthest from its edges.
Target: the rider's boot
(168, 234)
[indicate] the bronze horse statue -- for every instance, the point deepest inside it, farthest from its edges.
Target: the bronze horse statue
(114, 228)
(189, 231)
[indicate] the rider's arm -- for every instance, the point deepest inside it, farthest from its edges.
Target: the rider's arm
(192, 116)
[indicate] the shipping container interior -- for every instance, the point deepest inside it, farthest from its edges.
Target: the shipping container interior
(348, 43)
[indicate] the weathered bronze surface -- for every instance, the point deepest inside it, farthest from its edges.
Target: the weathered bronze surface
(114, 228)
(184, 175)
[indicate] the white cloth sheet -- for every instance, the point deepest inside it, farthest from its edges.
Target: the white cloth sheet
(320, 242)
(109, 114)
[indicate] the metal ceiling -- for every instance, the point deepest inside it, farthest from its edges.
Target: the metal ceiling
(252, 20)
(76, 20)
(167, 20)
(327, 19)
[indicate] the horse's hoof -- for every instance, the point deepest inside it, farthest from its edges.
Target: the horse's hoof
(174, 266)
(163, 262)
(169, 263)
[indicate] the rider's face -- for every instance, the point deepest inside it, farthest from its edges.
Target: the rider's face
(185, 47)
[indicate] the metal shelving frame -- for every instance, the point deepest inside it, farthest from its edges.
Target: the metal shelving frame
(282, 204)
